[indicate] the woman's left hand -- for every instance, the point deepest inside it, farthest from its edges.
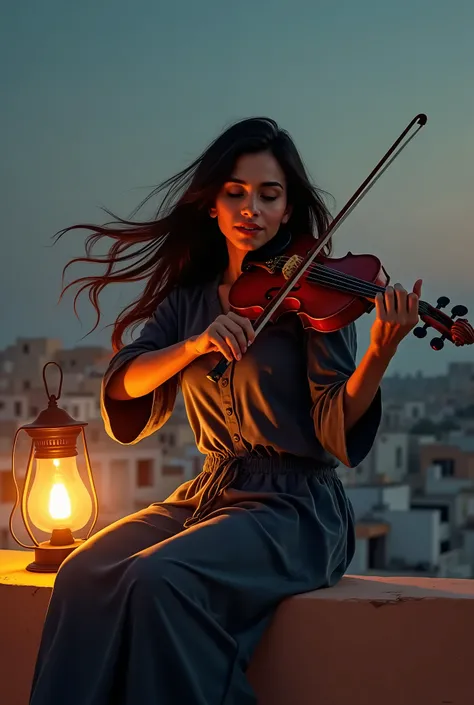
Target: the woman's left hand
(396, 315)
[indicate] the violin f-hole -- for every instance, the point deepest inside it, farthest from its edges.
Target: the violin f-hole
(276, 290)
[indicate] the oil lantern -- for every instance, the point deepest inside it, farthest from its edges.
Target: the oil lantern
(54, 498)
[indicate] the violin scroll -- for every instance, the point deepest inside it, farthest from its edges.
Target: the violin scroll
(459, 332)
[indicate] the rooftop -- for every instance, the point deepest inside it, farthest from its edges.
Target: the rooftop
(366, 641)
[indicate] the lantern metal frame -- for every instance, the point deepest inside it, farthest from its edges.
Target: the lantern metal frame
(53, 434)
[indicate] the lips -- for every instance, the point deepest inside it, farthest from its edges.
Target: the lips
(248, 227)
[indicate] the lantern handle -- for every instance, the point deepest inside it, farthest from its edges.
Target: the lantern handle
(53, 397)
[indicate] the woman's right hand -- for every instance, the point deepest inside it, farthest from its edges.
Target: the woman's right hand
(229, 334)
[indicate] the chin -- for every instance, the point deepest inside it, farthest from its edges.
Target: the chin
(249, 246)
(249, 243)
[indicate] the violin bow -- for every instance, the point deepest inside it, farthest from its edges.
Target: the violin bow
(420, 120)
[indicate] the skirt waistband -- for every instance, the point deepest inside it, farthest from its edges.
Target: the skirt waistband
(279, 465)
(223, 471)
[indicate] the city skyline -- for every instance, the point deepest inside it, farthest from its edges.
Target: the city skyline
(105, 102)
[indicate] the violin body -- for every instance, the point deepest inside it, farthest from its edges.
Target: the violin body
(320, 307)
(331, 292)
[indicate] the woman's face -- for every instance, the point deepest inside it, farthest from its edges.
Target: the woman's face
(252, 205)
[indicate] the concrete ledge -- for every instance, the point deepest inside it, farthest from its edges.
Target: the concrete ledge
(366, 641)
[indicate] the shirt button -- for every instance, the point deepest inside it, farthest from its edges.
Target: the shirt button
(228, 411)
(225, 382)
(236, 437)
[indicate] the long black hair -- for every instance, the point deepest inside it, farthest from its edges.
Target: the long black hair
(173, 248)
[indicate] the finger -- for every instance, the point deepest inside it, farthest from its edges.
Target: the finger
(401, 304)
(245, 324)
(222, 346)
(238, 333)
(417, 287)
(389, 302)
(380, 306)
(233, 335)
(231, 341)
(413, 304)
(233, 344)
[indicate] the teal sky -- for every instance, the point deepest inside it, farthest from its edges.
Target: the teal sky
(102, 100)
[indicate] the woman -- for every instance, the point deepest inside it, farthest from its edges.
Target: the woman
(166, 606)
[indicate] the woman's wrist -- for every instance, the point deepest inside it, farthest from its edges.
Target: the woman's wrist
(191, 348)
(382, 353)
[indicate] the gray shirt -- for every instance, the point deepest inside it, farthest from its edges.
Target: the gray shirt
(283, 398)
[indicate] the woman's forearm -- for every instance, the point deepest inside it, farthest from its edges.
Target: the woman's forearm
(150, 370)
(361, 387)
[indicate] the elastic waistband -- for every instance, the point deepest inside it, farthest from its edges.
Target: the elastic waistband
(278, 465)
(223, 471)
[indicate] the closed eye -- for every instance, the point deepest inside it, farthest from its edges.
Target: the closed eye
(264, 198)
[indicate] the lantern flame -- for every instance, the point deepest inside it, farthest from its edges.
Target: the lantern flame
(59, 502)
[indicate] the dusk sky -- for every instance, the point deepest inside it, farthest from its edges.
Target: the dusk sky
(103, 100)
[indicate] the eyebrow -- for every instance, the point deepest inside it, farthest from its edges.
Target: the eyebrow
(233, 180)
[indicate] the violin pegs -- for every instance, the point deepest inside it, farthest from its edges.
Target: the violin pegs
(458, 310)
(442, 302)
(420, 331)
(437, 343)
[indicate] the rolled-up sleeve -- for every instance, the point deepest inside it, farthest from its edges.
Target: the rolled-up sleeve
(331, 361)
(129, 421)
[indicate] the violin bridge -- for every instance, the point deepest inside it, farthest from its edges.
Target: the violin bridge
(290, 267)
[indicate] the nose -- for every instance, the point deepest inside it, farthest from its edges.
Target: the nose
(250, 206)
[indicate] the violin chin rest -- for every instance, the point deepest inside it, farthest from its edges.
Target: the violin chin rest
(272, 248)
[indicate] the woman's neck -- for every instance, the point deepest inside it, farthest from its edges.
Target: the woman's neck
(234, 268)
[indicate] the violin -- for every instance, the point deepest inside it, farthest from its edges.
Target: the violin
(289, 274)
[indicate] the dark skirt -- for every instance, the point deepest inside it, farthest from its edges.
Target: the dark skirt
(167, 605)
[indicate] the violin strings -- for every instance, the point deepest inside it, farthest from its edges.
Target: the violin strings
(360, 285)
(319, 273)
(369, 290)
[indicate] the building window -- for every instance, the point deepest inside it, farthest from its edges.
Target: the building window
(75, 411)
(145, 473)
(34, 411)
(446, 465)
(26, 384)
(167, 439)
(197, 466)
(26, 349)
(18, 409)
(398, 457)
(172, 470)
(7, 487)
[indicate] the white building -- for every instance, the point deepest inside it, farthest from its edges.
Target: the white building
(394, 457)
(398, 534)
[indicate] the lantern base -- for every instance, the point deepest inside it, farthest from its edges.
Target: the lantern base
(48, 558)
